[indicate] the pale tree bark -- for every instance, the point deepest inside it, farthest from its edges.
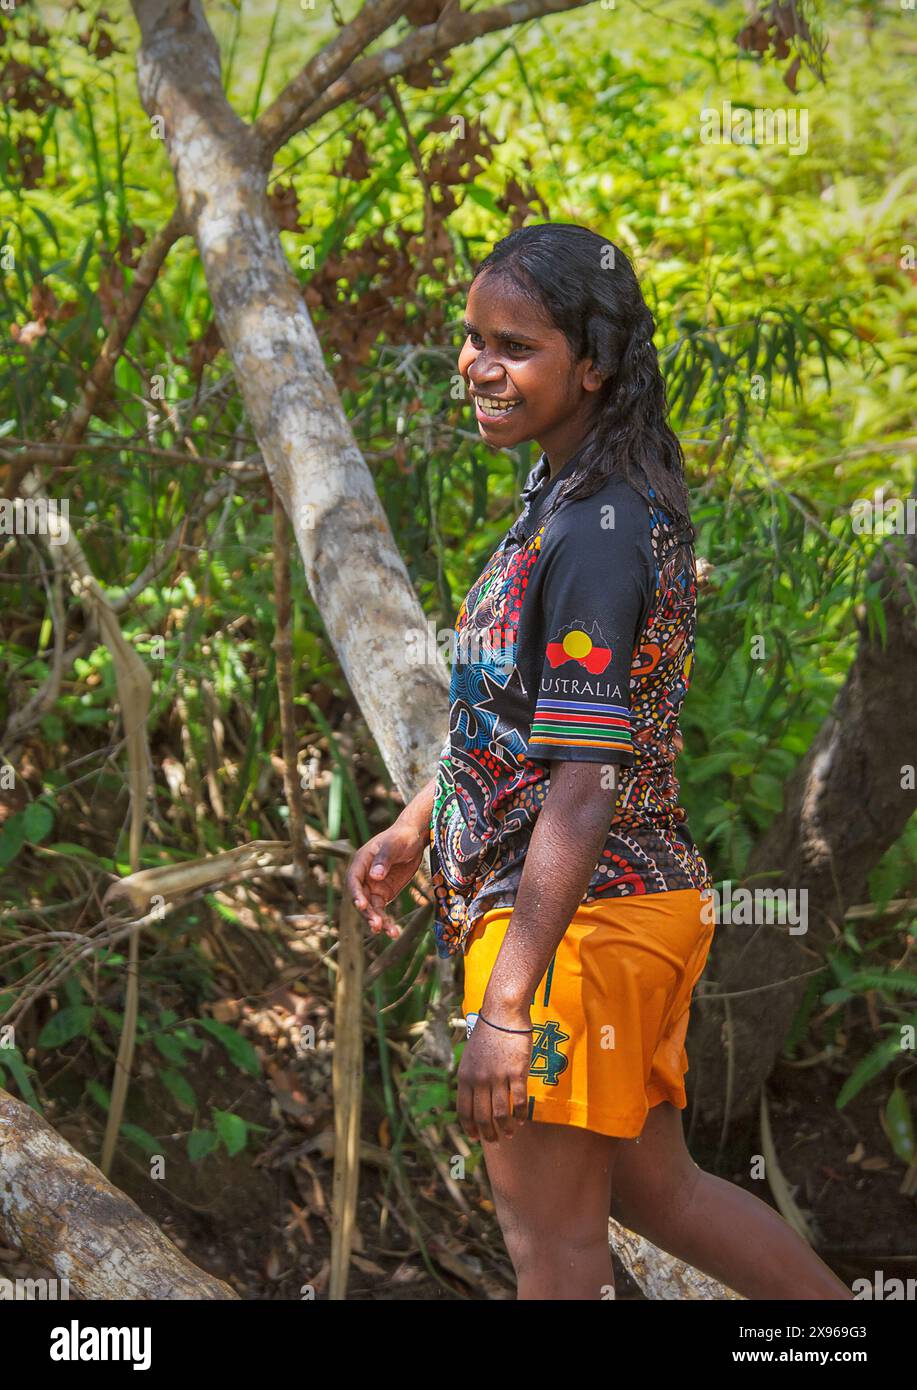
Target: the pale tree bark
(355, 574)
(66, 1216)
(847, 803)
(354, 570)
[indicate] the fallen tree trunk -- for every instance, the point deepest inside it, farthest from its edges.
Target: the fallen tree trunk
(663, 1280)
(847, 803)
(66, 1216)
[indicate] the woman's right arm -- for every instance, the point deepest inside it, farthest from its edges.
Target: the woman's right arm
(387, 863)
(419, 812)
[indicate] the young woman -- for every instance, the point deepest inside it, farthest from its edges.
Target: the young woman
(563, 868)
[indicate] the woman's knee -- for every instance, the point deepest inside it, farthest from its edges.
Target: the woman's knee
(655, 1176)
(556, 1257)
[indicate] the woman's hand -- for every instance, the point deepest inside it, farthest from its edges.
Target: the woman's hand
(381, 868)
(493, 1076)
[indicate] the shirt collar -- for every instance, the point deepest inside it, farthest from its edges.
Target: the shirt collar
(536, 478)
(537, 487)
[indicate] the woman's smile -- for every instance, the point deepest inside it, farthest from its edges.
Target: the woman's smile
(490, 409)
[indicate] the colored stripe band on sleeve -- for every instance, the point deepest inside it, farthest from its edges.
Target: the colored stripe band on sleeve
(581, 725)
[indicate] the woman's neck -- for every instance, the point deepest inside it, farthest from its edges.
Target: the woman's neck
(560, 448)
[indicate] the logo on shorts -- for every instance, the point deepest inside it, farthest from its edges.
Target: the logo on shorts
(548, 1062)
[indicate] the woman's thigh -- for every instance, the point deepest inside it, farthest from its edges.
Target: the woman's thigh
(552, 1187)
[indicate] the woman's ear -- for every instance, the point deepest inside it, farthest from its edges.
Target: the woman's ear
(592, 377)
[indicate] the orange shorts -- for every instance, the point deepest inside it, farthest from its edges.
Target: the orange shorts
(611, 1012)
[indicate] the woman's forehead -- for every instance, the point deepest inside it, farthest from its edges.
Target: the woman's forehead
(499, 306)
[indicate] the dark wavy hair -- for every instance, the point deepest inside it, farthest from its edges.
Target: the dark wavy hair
(587, 287)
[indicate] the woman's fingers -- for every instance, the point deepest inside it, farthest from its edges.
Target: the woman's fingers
(375, 876)
(376, 915)
(503, 1116)
(520, 1098)
(482, 1111)
(465, 1108)
(368, 892)
(356, 878)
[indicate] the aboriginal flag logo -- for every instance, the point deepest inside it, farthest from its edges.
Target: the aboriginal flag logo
(584, 645)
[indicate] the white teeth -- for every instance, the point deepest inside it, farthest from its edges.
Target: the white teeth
(490, 406)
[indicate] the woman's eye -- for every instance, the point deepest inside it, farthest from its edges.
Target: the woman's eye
(477, 342)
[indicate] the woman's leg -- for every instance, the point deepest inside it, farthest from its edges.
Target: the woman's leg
(709, 1223)
(552, 1190)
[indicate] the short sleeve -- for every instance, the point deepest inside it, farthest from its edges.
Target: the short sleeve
(597, 586)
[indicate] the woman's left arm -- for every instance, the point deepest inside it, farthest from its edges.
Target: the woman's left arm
(566, 843)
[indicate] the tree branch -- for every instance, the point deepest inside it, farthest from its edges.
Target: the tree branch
(454, 28)
(283, 648)
(99, 376)
(281, 119)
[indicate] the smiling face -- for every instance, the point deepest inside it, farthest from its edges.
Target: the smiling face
(520, 373)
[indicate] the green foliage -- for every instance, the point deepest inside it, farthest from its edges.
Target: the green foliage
(11, 1060)
(230, 1130)
(427, 1093)
(783, 308)
(870, 1067)
(241, 1053)
(900, 1125)
(858, 974)
(68, 1023)
(28, 827)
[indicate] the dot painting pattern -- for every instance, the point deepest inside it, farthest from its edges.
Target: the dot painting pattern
(489, 790)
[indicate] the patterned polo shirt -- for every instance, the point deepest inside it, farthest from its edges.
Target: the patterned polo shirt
(575, 643)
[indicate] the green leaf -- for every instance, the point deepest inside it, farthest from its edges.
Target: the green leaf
(180, 1088)
(895, 981)
(170, 1048)
(78, 852)
(12, 1058)
(232, 1129)
(71, 1022)
(38, 818)
(99, 1094)
(900, 1125)
(483, 197)
(240, 1049)
(868, 1069)
(52, 726)
(12, 838)
(201, 1142)
(142, 1138)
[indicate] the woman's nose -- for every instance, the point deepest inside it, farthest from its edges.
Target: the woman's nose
(483, 373)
